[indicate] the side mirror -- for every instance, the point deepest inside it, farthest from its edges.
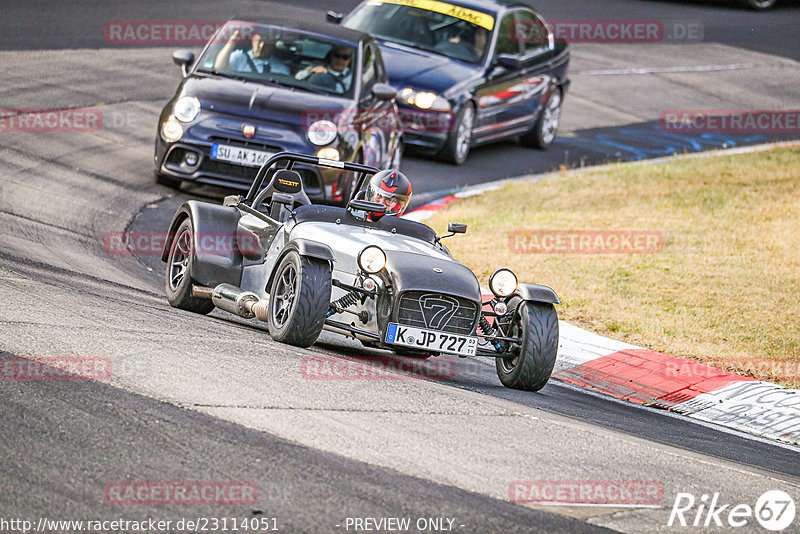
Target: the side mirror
(457, 228)
(364, 205)
(384, 91)
(334, 17)
(454, 228)
(184, 59)
(509, 61)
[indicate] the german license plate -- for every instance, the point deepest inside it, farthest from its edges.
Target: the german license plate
(241, 156)
(432, 340)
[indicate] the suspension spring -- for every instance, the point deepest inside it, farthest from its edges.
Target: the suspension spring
(488, 330)
(345, 302)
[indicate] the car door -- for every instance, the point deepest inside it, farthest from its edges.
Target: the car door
(377, 118)
(508, 100)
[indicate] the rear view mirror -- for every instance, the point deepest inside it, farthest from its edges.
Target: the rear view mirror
(184, 59)
(457, 228)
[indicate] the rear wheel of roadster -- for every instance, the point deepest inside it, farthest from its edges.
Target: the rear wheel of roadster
(536, 324)
(179, 281)
(299, 299)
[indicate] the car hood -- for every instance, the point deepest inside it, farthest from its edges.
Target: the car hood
(257, 101)
(411, 263)
(411, 67)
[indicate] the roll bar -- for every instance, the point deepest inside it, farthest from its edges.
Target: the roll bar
(293, 158)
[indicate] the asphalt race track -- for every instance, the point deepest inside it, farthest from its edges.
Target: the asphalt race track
(213, 398)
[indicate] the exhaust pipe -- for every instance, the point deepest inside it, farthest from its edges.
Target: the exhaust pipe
(239, 302)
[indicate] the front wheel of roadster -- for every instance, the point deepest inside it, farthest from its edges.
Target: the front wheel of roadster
(178, 284)
(536, 324)
(299, 299)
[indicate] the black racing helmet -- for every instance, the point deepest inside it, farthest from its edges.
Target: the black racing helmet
(392, 189)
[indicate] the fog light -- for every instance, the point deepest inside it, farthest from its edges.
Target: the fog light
(190, 159)
(369, 284)
(500, 308)
(171, 130)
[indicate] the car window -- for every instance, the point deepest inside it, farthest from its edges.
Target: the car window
(532, 33)
(507, 41)
(462, 36)
(276, 55)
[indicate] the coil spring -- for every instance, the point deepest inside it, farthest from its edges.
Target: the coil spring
(345, 302)
(488, 330)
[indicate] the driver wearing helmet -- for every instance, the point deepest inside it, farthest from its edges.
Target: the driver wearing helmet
(390, 188)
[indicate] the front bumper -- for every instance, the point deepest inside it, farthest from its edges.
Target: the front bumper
(425, 131)
(198, 139)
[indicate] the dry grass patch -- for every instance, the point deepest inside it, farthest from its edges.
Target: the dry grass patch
(723, 290)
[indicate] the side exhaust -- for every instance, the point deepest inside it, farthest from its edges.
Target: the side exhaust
(236, 300)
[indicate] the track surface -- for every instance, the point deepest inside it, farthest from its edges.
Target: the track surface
(319, 451)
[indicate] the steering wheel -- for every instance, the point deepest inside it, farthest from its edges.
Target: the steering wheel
(328, 81)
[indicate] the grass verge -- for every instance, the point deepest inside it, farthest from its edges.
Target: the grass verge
(705, 264)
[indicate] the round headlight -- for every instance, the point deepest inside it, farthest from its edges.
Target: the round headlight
(171, 130)
(372, 259)
(503, 282)
(322, 132)
(186, 108)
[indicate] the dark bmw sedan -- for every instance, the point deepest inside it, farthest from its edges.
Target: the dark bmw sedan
(259, 89)
(468, 71)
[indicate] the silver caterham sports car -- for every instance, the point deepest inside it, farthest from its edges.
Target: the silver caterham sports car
(389, 282)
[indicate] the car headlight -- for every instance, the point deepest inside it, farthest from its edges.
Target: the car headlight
(171, 130)
(423, 99)
(186, 108)
(372, 259)
(503, 282)
(328, 153)
(322, 132)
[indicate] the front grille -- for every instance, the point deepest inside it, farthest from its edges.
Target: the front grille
(237, 173)
(436, 311)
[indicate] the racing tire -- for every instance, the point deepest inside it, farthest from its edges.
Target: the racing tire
(456, 149)
(544, 131)
(537, 324)
(178, 280)
(166, 181)
(299, 299)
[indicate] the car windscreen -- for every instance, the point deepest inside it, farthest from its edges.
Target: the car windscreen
(277, 55)
(438, 27)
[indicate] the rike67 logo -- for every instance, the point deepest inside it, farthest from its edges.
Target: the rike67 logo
(774, 511)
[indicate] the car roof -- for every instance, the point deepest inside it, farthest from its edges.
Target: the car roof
(488, 6)
(327, 29)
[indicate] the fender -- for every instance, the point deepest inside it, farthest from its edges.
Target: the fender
(306, 248)
(537, 293)
(210, 267)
